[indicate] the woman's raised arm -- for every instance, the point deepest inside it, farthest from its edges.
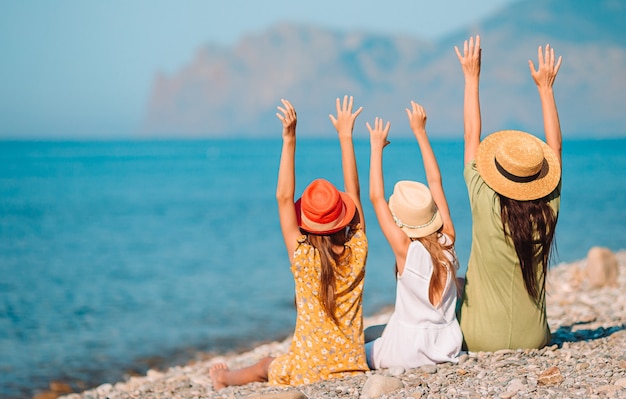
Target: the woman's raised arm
(472, 124)
(544, 77)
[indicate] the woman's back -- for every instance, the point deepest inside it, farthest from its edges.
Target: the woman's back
(497, 311)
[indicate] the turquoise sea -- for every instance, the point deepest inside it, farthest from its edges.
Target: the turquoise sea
(117, 256)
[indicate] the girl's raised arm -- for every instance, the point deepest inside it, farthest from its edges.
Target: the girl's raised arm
(285, 187)
(398, 240)
(417, 120)
(344, 123)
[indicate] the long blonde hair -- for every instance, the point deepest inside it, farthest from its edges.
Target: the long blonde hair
(323, 245)
(439, 253)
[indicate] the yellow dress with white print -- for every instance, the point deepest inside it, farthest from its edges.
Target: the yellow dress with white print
(321, 349)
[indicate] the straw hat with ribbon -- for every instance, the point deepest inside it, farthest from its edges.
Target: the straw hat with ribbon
(518, 165)
(413, 209)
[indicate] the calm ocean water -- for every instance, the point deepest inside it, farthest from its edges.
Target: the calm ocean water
(119, 256)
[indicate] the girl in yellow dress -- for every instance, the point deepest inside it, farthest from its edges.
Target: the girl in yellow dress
(324, 234)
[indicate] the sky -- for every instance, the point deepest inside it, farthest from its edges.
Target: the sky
(84, 68)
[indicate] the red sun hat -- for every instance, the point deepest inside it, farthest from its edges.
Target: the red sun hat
(323, 209)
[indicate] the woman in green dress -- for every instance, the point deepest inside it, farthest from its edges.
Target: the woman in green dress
(514, 185)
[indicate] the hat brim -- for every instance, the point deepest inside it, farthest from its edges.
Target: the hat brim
(424, 231)
(350, 209)
(544, 184)
(412, 203)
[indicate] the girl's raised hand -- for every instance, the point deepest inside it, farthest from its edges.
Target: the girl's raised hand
(378, 134)
(344, 122)
(545, 75)
(288, 118)
(417, 118)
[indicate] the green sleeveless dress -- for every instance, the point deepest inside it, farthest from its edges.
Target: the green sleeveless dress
(496, 311)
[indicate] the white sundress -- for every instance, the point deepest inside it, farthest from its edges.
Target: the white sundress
(419, 333)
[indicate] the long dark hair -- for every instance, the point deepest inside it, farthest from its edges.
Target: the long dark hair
(530, 225)
(329, 259)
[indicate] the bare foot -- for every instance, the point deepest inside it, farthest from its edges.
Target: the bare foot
(217, 372)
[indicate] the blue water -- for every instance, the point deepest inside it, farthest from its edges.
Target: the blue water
(119, 256)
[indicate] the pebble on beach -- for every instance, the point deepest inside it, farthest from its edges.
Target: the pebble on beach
(601, 267)
(586, 358)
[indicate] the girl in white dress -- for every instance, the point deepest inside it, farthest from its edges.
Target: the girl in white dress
(416, 222)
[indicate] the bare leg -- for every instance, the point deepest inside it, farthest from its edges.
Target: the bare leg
(222, 376)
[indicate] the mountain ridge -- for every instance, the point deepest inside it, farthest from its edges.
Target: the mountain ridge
(234, 91)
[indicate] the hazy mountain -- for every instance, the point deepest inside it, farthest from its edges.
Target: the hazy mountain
(234, 91)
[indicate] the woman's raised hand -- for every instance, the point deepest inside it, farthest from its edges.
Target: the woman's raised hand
(545, 75)
(470, 59)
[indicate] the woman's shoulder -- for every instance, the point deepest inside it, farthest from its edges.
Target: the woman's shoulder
(473, 179)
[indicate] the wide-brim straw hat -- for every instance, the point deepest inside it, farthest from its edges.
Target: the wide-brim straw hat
(414, 210)
(518, 165)
(323, 209)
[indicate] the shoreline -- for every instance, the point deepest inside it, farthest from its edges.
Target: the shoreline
(588, 332)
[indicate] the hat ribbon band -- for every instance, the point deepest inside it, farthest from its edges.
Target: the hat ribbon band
(421, 226)
(324, 226)
(515, 178)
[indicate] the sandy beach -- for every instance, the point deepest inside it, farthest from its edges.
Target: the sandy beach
(587, 358)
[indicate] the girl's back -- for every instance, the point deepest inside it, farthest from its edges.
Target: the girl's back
(322, 349)
(419, 332)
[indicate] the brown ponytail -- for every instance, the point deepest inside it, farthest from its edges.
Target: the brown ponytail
(323, 245)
